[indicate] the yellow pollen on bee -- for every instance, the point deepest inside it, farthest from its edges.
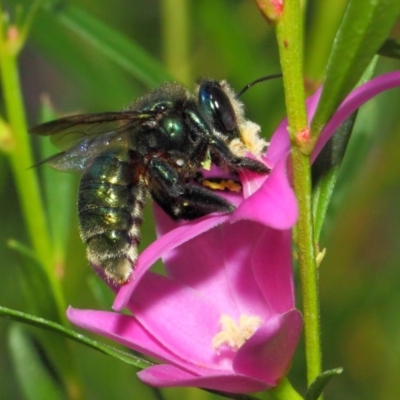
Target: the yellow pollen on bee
(234, 334)
(206, 164)
(223, 184)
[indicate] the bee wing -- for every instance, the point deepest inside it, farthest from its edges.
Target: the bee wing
(77, 157)
(65, 161)
(82, 137)
(69, 131)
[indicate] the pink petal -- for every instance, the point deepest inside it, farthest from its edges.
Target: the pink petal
(179, 317)
(168, 375)
(280, 143)
(354, 100)
(273, 270)
(274, 204)
(221, 274)
(129, 332)
(268, 353)
(164, 244)
(123, 329)
(251, 182)
(238, 244)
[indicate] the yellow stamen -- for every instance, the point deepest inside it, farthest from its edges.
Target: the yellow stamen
(235, 335)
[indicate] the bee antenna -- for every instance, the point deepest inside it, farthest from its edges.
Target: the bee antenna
(262, 79)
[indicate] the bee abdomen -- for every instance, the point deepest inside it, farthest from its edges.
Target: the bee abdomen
(99, 220)
(109, 244)
(112, 195)
(114, 252)
(110, 212)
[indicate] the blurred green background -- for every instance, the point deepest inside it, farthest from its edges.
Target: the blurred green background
(225, 39)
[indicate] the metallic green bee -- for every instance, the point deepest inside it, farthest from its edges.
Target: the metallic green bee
(157, 147)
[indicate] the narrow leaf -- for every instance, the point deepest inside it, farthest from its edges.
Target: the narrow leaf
(365, 26)
(37, 289)
(35, 380)
(60, 194)
(391, 48)
(325, 170)
(100, 291)
(6, 137)
(326, 167)
(316, 388)
(77, 337)
(98, 86)
(113, 44)
(40, 300)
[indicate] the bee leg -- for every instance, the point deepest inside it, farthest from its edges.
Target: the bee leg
(193, 203)
(183, 200)
(223, 156)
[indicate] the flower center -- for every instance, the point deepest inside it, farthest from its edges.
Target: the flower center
(235, 334)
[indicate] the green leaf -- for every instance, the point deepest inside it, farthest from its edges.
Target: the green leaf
(6, 138)
(26, 24)
(228, 40)
(365, 26)
(41, 301)
(325, 170)
(100, 291)
(391, 48)
(113, 44)
(284, 391)
(316, 388)
(321, 29)
(36, 286)
(326, 167)
(35, 379)
(99, 82)
(77, 337)
(60, 194)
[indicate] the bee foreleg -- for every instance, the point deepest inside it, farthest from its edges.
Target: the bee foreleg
(182, 200)
(222, 156)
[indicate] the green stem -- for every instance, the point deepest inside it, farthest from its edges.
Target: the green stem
(284, 391)
(21, 160)
(307, 263)
(27, 184)
(289, 32)
(175, 27)
(64, 332)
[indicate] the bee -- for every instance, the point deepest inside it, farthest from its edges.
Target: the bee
(157, 147)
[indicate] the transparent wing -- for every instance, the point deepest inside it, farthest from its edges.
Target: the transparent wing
(76, 158)
(81, 137)
(69, 131)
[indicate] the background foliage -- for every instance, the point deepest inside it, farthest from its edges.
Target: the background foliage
(77, 70)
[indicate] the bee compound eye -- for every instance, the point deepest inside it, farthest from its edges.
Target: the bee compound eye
(216, 105)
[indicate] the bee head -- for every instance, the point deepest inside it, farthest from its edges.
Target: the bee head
(218, 108)
(224, 112)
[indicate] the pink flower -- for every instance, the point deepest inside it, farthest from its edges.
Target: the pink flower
(224, 316)
(224, 286)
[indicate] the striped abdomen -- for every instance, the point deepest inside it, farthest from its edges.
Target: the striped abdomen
(110, 204)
